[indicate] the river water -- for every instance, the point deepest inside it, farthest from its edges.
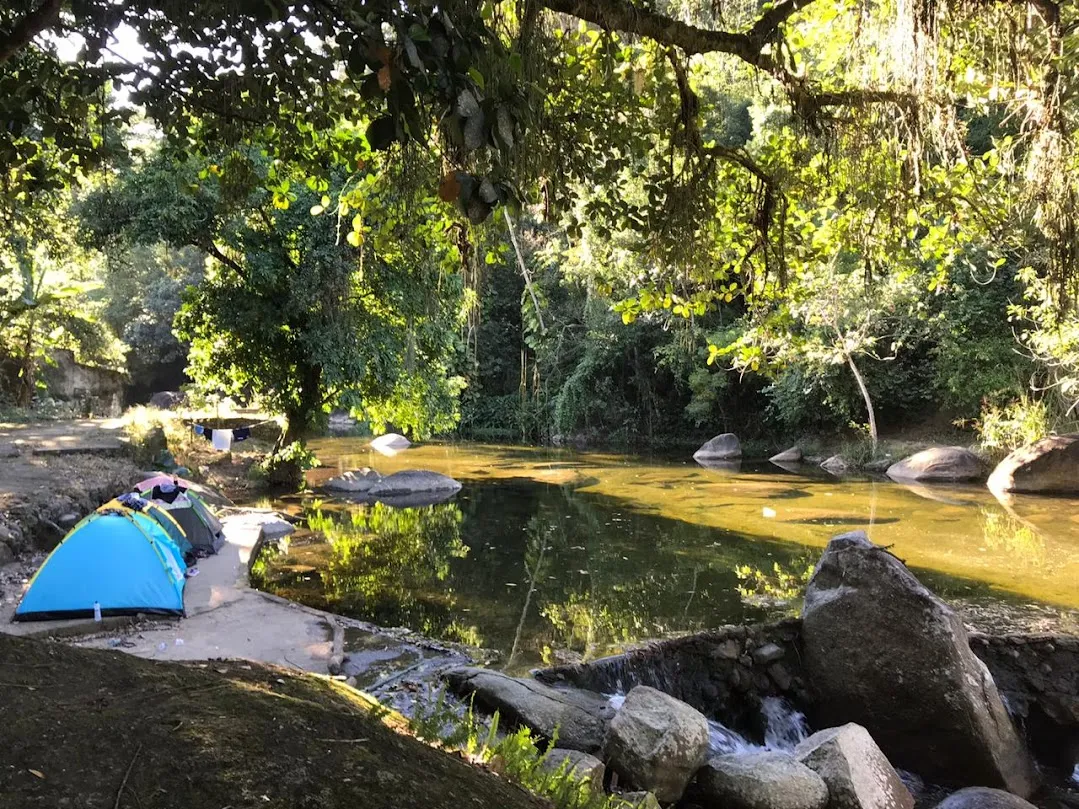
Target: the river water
(549, 556)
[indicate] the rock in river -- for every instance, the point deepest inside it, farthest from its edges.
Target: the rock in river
(836, 465)
(355, 480)
(883, 651)
(580, 716)
(1049, 466)
(857, 773)
(390, 444)
(723, 447)
(792, 455)
(769, 779)
(413, 481)
(943, 464)
(656, 742)
(983, 798)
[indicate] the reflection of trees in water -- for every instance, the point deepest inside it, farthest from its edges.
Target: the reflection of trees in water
(1020, 540)
(391, 564)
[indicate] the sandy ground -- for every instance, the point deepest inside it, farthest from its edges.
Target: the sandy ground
(227, 619)
(59, 437)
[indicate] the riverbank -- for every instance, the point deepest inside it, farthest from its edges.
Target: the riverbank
(127, 732)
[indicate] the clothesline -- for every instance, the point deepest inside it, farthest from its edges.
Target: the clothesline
(222, 438)
(192, 423)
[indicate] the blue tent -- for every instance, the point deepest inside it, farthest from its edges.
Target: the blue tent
(123, 561)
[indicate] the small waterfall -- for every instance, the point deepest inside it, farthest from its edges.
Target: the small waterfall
(785, 727)
(1075, 775)
(722, 741)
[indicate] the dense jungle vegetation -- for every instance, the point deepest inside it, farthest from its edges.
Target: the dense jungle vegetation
(609, 220)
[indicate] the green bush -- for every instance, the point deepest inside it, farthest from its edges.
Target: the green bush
(1015, 424)
(285, 467)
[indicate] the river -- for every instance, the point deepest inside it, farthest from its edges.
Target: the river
(551, 555)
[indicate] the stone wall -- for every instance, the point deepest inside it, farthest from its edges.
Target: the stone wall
(724, 673)
(93, 391)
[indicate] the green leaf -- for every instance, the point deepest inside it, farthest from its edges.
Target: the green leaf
(381, 133)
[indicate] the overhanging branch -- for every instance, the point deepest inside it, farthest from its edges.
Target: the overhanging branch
(44, 16)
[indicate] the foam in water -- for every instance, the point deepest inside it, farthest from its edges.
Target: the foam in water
(1075, 775)
(785, 727)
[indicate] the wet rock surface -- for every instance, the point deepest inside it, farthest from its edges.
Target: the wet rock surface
(656, 742)
(857, 773)
(763, 780)
(883, 651)
(412, 481)
(580, 717)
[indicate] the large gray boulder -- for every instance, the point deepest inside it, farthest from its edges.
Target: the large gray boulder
(883, 651)
(939, 464)
(983, 798)
(792, 455)
(1049, 466)
(723, 447)
(355, 481)
(578, 765)
(581, 717)
(656, 742)
(765, 780)
(413, 481)
(857, 773)
(836, 465)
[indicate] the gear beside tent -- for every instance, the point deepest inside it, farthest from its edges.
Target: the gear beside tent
(204, 531)
(132, 502)
(122, 561)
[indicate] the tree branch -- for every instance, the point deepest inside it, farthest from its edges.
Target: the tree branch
(623, 16)
(44, 16)
(221, 256)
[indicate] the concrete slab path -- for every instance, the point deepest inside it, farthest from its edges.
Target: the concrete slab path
(62, 437)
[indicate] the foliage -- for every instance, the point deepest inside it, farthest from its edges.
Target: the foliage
(515, 755)
(777, 586)
(285, 465)
(1007, 427)
(288, 311)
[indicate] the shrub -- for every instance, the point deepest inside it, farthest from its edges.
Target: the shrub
(1013, 425)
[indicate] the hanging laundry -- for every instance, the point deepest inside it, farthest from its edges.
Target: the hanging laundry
(241, 434)
(222, 440)
(199, 429)
(207, 433)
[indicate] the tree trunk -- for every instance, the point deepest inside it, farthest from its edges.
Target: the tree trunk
(868, 400)
(300, 418)
(27, 381)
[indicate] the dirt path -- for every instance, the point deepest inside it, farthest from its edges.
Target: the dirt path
(62, 437)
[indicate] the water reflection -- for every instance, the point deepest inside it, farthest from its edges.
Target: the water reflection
(551, 556)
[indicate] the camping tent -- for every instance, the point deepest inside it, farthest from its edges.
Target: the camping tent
(184, 505)
(123, 561)
(132, 502)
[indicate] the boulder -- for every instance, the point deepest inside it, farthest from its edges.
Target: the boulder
(390, 444)
(355, 480)
(983, 798)
(946, 464)
(656, 742)
(883, 651)
(581, 766)
(721, 448)
(792, 455)
(167, 399)
(837, 465)
(769, 779)
(1049, 466)
(413, 481)
(6, 555)
(580, 716)
(857, 773)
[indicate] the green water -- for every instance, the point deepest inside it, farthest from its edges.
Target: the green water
(547, 556)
